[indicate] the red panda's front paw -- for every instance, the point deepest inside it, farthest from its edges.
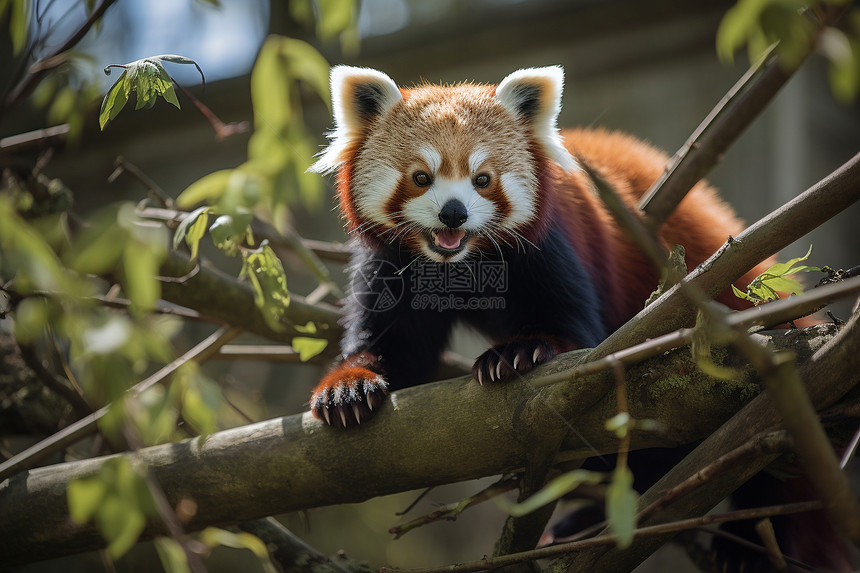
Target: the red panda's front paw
(348, 396)
(505, 361)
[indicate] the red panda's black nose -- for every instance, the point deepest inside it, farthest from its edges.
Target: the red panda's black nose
(453, 214)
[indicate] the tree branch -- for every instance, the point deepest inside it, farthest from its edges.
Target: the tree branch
(828, 375)
(89, 425)
(719, 130)
(296, 462)
(41, 68)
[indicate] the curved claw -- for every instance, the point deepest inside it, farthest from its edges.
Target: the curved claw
(348, 396)
(507, 361)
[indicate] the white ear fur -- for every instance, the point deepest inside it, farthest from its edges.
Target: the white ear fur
(534, 95)
(358, 95)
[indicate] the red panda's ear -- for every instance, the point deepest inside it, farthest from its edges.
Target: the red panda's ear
(358, 96)
(533, 95)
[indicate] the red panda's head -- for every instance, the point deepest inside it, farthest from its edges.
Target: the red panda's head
(445, 170)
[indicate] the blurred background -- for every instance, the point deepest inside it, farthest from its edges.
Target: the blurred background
(646, 67)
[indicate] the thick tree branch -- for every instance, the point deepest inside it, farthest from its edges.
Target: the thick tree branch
(296, 462)
(674, 310)
(828, 375)
(719, 130)
(218, 295)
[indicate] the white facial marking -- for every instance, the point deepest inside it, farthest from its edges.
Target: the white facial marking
(432, 157)
(476, 159)
(373, 188)
(520, 192)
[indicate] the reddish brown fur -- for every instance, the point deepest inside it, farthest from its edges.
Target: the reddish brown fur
(701, 223)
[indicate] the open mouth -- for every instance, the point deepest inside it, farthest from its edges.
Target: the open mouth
(447, 241)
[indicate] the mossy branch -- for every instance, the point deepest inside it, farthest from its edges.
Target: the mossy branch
(296, 462)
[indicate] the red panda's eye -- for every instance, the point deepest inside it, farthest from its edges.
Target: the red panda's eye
(421, 178)
(482, 180)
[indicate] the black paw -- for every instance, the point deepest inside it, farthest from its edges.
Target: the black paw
(348, 396)
(505, 361)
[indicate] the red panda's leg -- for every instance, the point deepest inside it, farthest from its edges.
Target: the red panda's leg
(350, 392)
(516, 356)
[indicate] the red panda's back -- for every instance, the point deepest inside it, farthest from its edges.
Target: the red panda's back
(702, 222)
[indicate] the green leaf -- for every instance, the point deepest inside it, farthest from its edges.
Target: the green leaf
(619, 424)
(554, 490)
(115, 100)
(19, 25)
(84, 497)
(266, 275)
(308, 328)
(213, 537)
(191, 229)
(140, 269)
(208, 188)
(308, 347)
(174, 59)
(335, 17)
(621, 501)
(63, 105)
(171, 555)
(31, 315)
(148, 79)
(99, 247)
(200, 399)
(228, 232)
(780, 269)
(121, 524)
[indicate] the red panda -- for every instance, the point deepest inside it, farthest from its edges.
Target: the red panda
(471, 192)
(440, 180)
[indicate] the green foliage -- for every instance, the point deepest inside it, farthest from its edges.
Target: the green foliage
(213, 537)
(19, 22)
(842, 48)
(119, 501)
(331, 18)
(789, 29)
(621, 501)
(147, 79)
(767, 286)
(306, 346)
(264, 272)
(171, 555)
(554, 490)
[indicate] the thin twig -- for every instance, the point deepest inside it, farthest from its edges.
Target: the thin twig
(753, 546)
(17, 143)
(89, 425)
(604, 540)
(52, 381)
(39, 70)
(451, 511)
(122, 164)
(765, 443)
(222, 130)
